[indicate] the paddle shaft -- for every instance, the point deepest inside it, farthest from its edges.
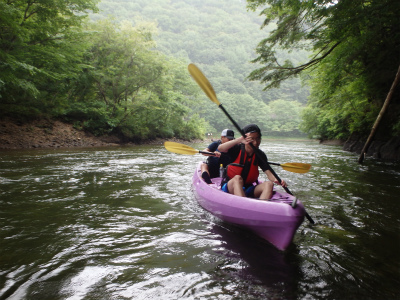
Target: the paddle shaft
(261, 158)
(271, 163)
(208, 153)
(212, 154)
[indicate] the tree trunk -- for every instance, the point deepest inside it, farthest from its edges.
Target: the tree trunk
(379, 118)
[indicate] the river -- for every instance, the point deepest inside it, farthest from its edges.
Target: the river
(122, 223)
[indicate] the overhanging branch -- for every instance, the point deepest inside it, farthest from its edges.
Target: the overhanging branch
(312, 62)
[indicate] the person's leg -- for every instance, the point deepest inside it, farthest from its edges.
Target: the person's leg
(264, 190)
(205, 174)
(235, 186)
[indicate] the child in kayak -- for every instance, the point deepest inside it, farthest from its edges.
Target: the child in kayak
(242, 175)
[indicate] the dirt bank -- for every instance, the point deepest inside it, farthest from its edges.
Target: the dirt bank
(47, 134)
(56, 134)
(332, 142)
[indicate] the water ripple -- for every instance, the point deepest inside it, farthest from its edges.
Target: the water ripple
(119, 223)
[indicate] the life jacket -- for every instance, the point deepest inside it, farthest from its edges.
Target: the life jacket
(245, 166)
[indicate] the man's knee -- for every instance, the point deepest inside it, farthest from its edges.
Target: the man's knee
(269, 185)
(238, 179)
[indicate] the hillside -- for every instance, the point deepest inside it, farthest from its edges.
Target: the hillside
(220, 37)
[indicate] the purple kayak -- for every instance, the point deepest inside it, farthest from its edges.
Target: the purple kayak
(275, 220)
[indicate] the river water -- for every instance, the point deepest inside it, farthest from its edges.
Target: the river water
(122, 223)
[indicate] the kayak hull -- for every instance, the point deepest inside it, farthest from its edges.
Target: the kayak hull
(275, 220)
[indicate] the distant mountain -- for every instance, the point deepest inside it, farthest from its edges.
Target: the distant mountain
(218, 35)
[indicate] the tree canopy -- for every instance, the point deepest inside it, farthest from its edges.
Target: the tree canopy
(355, 46)
(220, 37)
(127, 74)
(131, 89)
(129, 77)
(38, 44)
(105, 76)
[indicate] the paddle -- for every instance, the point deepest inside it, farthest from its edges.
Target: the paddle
(185, 149)
(206, 86)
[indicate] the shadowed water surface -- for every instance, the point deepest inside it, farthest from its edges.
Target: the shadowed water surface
(122, 223)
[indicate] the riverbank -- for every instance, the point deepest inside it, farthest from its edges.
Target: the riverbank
(388, 150)
(380, 148)
(47, 134)
(53, 134)
(56, 134)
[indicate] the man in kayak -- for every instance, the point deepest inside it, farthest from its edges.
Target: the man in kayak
(242, 175)
(210, 169)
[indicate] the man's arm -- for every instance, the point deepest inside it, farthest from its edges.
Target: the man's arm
(212, 148)
(272, 178)
(228, 145)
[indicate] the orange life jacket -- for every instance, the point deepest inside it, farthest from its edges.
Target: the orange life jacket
(245, 166)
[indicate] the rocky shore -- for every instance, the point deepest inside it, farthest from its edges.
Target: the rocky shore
(380, 149)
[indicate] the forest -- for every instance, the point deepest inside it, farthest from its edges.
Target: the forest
(120, 66)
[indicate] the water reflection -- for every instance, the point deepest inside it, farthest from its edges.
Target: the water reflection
(258, 269)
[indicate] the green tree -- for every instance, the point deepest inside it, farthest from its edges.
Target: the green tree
(284, 117)
(39, 45)
(213, 34)
(355, 45)
(131, 89)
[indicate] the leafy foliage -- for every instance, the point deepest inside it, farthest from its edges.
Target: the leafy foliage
(355, 48)
(220, 37)
(103, 77)
(143, 92)
(38, 46)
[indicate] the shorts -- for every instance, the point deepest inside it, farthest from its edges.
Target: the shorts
(249, 191)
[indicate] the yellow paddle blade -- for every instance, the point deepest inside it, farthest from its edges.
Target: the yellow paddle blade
(296, 167)
(203, 82)
(180, 148)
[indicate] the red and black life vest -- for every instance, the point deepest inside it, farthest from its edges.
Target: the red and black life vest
(245, 166)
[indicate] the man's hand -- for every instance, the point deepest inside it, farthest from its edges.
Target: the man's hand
(283, 183)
